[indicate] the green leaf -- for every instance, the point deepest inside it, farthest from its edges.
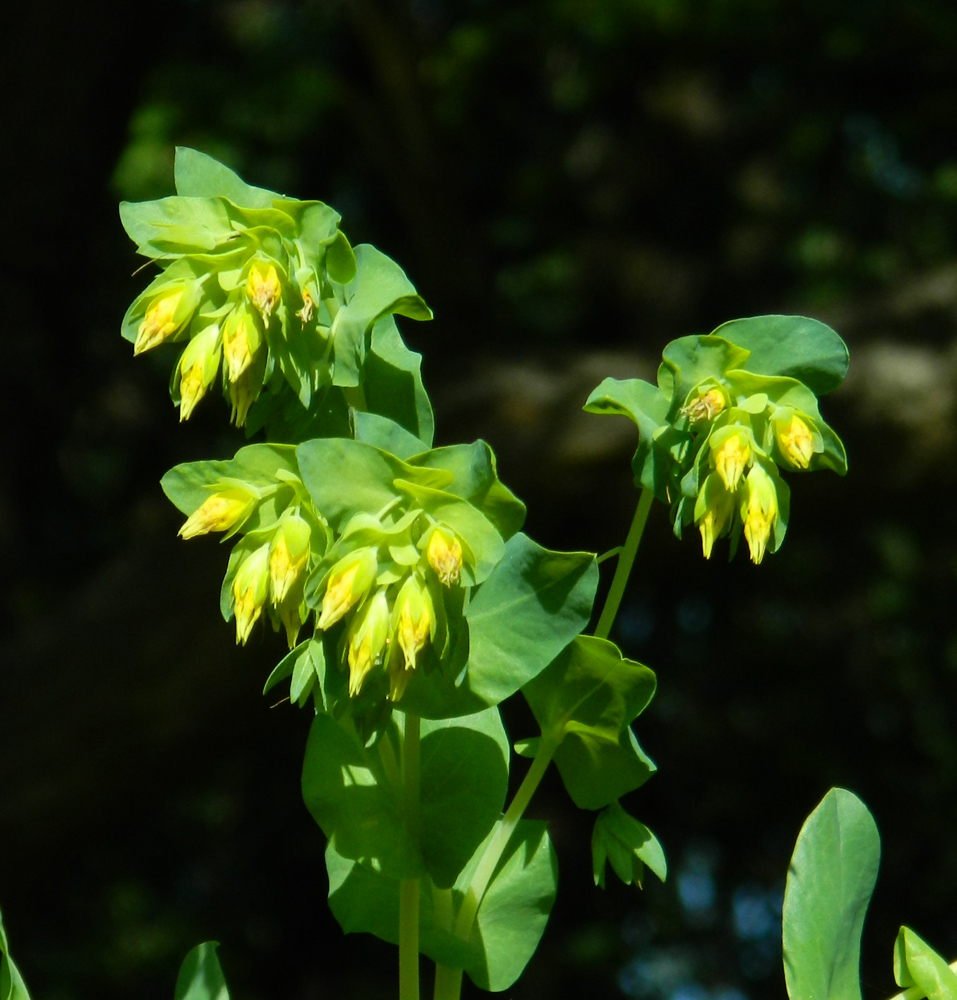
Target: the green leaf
(531, 606)
(586, 699)
(917, 964)
(629, 845)
(513, 913)
(171, 226)
(830, 881)
(12, 986)
(200, 176)
(802, 348)
(476, 480)
(692, 360)
(201, 976)
(392, 380)
(340, 260)
(386, 434)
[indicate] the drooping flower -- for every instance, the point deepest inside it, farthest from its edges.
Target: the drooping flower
(197, 368)
(444, 553)
(713, 511)
(166, 315)
(759, 511)
(288, 554)
(349, 581)
(730, 453)
(795, 439)
(241, 340)
(263, 289)
(706, 405)
(368, 636)
(250, 590)
(220, 512)
(413, 624)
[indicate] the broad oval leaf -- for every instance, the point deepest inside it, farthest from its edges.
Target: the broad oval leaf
(829, 885)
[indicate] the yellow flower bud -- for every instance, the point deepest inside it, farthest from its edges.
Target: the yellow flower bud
(242, 394)
(444, 554)
(759, 512)
(220, 512)
(705, 406)
(367, 640)
(308, 307)
(413, 619)
(349, 581)
(198, 367)
(263, 289)
(288, 554)
(165, 316)
(241, 341)
(730, 453)
(250, 590)
(795, 440)
(713, 511)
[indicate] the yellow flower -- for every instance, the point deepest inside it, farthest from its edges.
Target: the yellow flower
(263, 289)
(367, 640)
(220, 512)
(250, 589)
(198, 367)
(162, 320)
(288, 554)
(349, 581)
(713, 511)
(242, 394)
(795, 440)
(308, 307)
(444, 554)
(241, 341)
(413, 624)
(705, 406)
(730, 453)
(760, 512)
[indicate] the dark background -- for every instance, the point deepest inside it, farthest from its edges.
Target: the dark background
(570, 185)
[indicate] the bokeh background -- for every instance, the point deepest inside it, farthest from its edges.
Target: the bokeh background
(570, 184)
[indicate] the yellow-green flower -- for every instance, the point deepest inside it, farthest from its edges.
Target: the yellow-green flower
(250, 590)
(167, 314)
(444, 553)
(795, 438)
(220, 512)
(759, 511)
(706, 405)
(197, 368)
(288, 555)
(242, 394)
(367, 639)
(413, 624)
(349, 581)
(263, 289)
(730, 454)
(241, 340)
(714, 509)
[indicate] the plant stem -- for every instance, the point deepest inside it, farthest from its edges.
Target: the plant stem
(409, 888)
(915, 992)
(448, 983)
(496, 848)
(625, 561)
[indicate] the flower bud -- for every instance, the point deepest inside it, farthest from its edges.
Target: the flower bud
(197, 368)
(308, 307)
(242, 394)
(413, 618)
(730, 453)
(349, 581)
(263, 289)
(759, 511)
(220, 512)
(795, 438)
(167, 314)
(444, 554)
(241, 340)
(367, 640)
(288, 554)
(250, 590)
(713, 511)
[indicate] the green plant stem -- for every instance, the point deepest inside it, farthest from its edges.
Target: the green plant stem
(496, 847)
(625, 561)
(448, 983)
(915, 992)
(409, 888)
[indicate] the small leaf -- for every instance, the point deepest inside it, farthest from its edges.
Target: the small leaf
(829, 885)
(200, 176)
(172, 226)
(340, 260)
(201, 976)
(692, 360)
(381, 432)
(917, 964)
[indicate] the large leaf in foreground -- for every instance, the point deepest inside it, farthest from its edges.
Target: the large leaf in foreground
(829, 885)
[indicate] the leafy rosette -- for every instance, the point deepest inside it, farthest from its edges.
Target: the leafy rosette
(265, 291)
(729, 413)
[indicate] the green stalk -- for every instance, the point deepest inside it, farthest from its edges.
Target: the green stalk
(625, 561)
(915, 992)
(448, 983)
(409, 888)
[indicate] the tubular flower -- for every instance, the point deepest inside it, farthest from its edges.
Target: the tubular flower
(759, 511)
(349, 581)
(413, 618)
(444, 554)
(288, 554)
(713, 511)
(730, 453)
(705, 406)
(308, 307)
(796, 441)
(250, 590)
(242, 395)
(168, 313)
(198, 367)
(220, 512)
(241, 341)
(263, 289)
(367, 640)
